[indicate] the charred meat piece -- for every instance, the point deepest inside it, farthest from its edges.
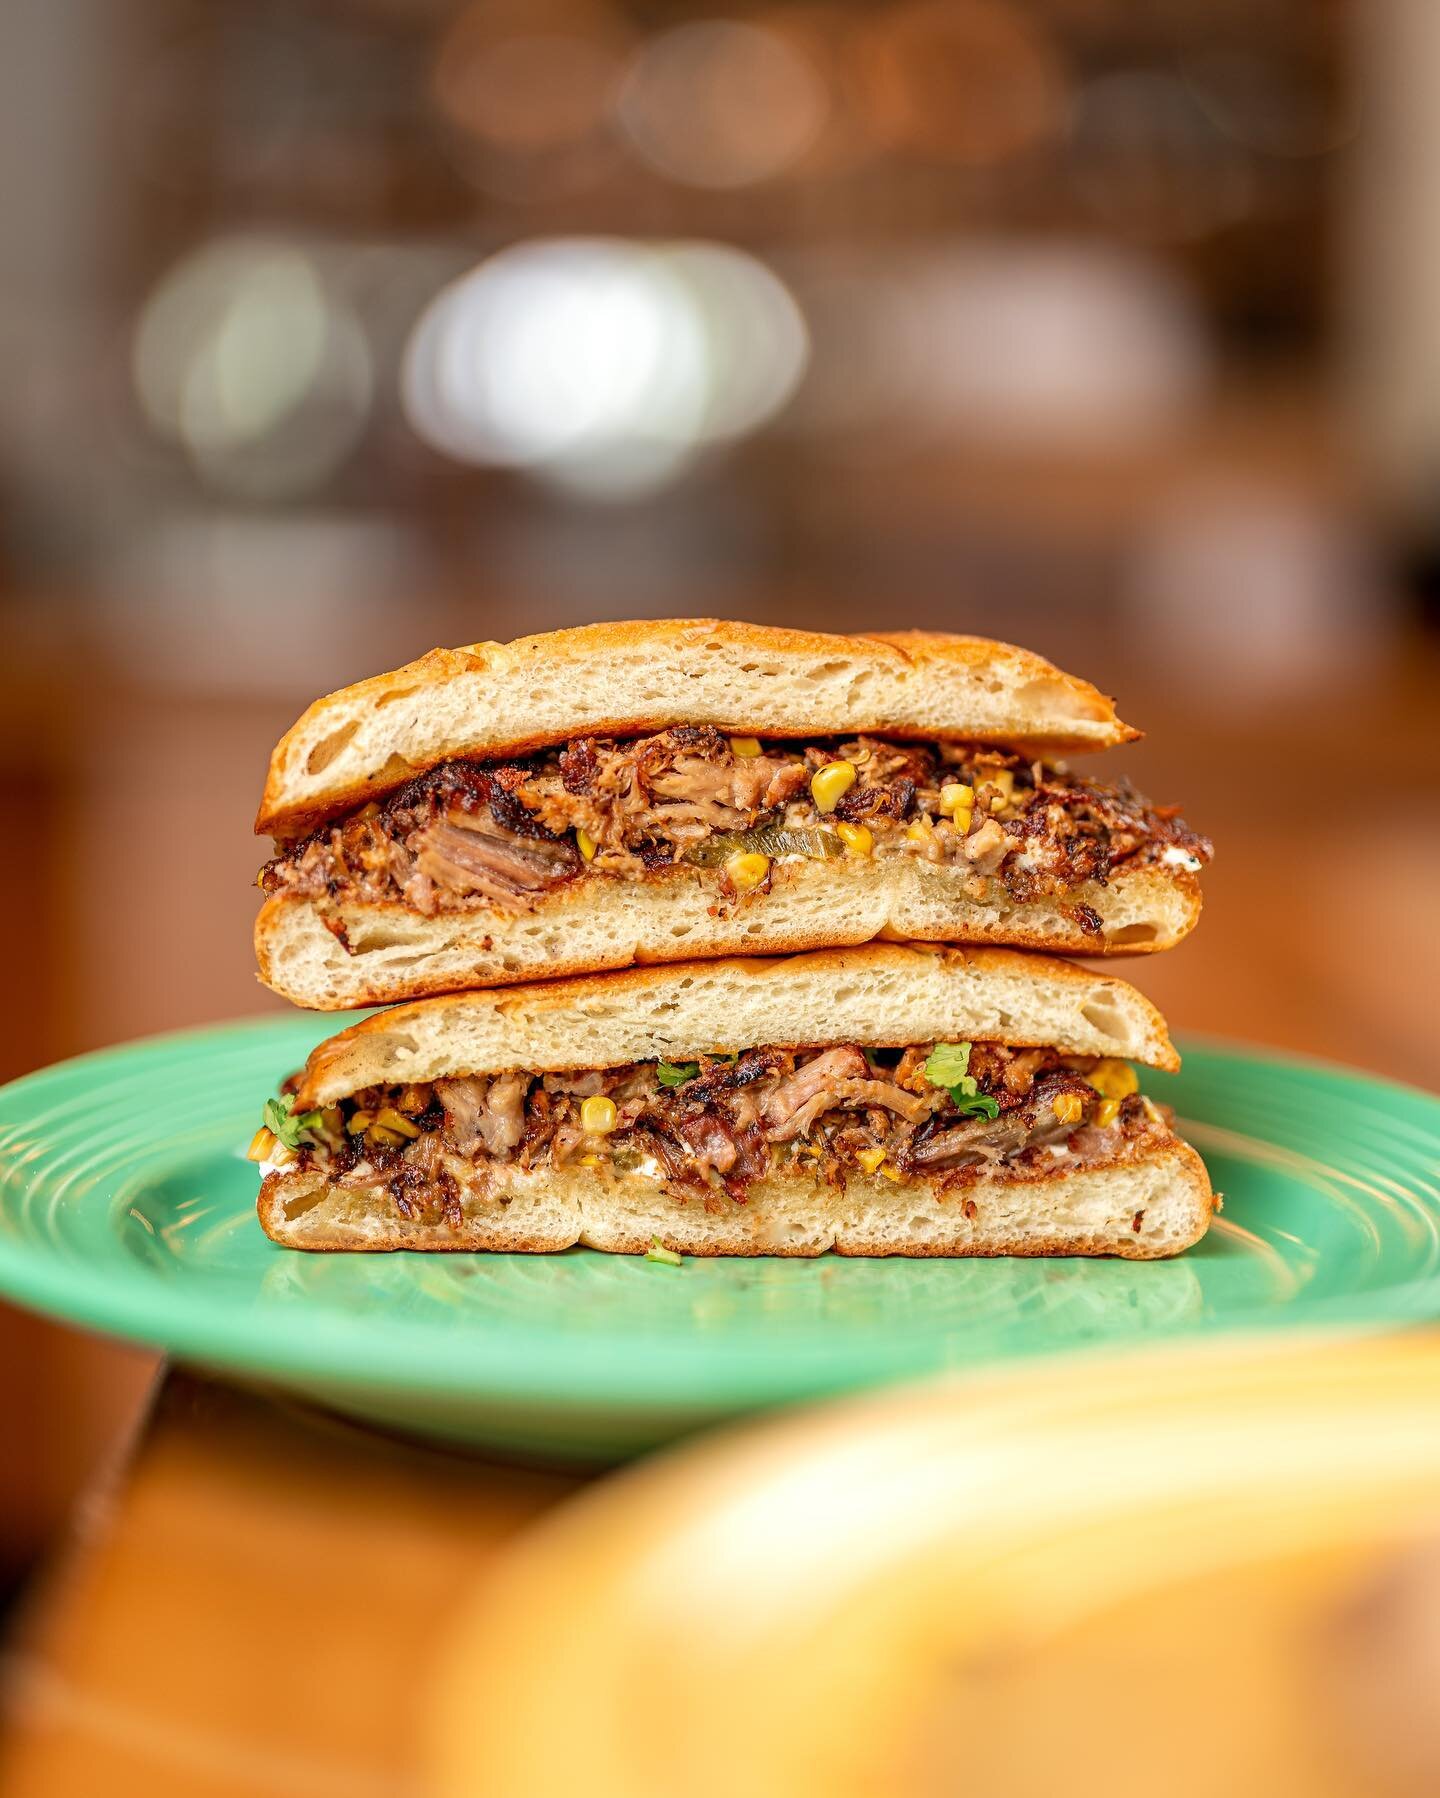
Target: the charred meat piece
(465, 854)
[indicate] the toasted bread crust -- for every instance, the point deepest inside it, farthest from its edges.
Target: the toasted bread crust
(384, 953)
(1152, 1205)
(876, 994)
(506, 699)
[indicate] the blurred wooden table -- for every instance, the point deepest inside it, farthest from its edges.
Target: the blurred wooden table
(251, 1606)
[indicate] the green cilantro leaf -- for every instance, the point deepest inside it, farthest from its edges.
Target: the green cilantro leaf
(948, 1064)
(676, 1073)
(287, 1125)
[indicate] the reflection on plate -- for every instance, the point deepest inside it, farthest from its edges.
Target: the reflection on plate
(1332, 1215)
(1217, 1570)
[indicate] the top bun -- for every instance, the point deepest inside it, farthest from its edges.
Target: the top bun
(507, 699)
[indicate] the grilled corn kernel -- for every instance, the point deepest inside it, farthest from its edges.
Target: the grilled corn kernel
(597, 1116)
(1069, 1108)
(870, 1159)
(891, 1172)
(1113, 1079)
(920, 831)
(830, 784)
(1004, 779)
(390, 1119)
(856, 838)
(1107, 1111)
(955, 797)
(360, 1122)
(747, 748)
(261, 1143)
(282, 1155)
(589, 1161)
(746, 872)
(585, 843)
(379, 1136)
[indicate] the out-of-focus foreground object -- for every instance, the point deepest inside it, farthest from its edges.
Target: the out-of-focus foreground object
(1216, 1570)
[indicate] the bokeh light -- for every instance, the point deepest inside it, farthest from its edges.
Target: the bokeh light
(1002, 345)
(1274, 105)
(530, 79)
(830, 39)
(721, 104)
(1151, 161)
(246, 359)
(966, 81)
(600, 364)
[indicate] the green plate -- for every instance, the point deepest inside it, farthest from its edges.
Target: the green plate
(1332, 1216)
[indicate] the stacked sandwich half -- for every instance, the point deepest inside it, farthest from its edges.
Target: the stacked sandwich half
(669, 908)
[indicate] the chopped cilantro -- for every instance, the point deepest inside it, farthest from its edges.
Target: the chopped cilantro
(658, 1252)
(948, 1065)
(676, 1073)
(287, 1125)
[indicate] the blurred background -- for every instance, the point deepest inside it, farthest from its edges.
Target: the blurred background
(331, 330)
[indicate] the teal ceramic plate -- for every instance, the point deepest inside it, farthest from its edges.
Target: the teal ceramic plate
(126, 1206)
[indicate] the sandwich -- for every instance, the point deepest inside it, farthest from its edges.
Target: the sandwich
(635, 793)
(880, 1100)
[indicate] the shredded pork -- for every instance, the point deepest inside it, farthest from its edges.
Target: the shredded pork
(717, 1125)
(480, 834)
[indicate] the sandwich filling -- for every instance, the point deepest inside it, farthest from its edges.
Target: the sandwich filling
(946, 1114)
(471, 834)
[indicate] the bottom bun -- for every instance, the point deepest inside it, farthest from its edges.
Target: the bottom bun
(1145, 1206)
(390, 952)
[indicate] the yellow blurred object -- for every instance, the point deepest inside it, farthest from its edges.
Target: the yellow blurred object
(746, 872)
(1107, 1111)
(955, 797)
(857, 839)
(870, 1159)
(597, 1116)
(1114, 1079)
(747, 748)
(360, 1122)
(830, 784)
(391, 1119)
(1209, 1566)
(921, 831)
(585, 843)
